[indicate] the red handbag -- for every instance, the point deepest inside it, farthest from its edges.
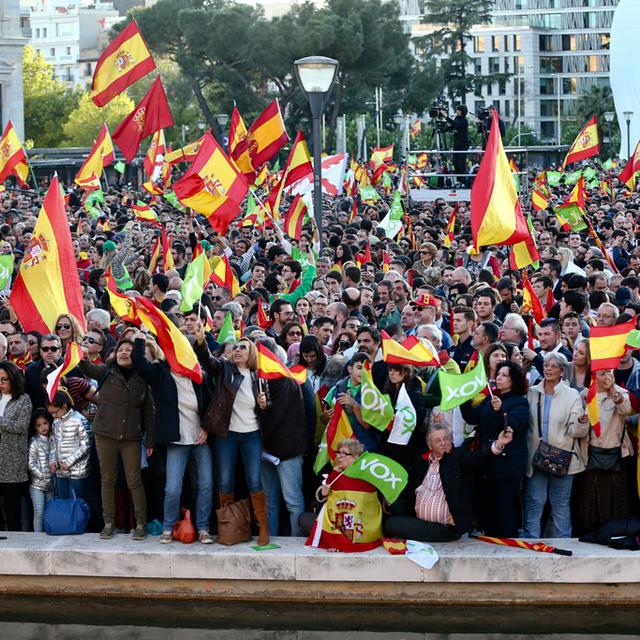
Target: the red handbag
(183, 530)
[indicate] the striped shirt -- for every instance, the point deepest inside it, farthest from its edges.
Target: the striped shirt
(431, 503)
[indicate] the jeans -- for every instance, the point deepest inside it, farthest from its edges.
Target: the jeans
(39, 499)
(286, 478)
(540, 487)
(226, 452)
(177, 459)
(64, 488)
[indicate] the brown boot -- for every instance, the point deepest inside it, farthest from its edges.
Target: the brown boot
(259, 502)
(225, 498)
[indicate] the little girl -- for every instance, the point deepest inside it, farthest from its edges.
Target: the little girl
(39, 470)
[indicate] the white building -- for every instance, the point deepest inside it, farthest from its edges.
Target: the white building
(13, 37)
(70, 34)
(555, 50)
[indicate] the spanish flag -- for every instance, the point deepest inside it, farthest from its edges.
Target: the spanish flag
(380, 156)
(294, 218)
(145, 213)
(530, 301)
(13, 159)
(154, 158)
(89, 184)
(224, 276)
(523, 254)
(188, 153)
(102, 154)
(593, 410)
(262, 319)
(607, 345)
(450, 232)
(577, 195)
(628, 174)
(338, 429)
(212, 185)
(174, 344)
(72, 358)
(270, 367)
(238, 147)
(587, 144)
(496, 216)
(267, 135)
(415, 129)
(167, 257)
(386, 261)
(411, 351)
(156, 252)
(123, 62)
(539, 199)
(123, 305)
(150, 114)
(603, 249)
(48, 283)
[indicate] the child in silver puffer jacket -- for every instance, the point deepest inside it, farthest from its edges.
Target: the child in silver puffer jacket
(40, 488)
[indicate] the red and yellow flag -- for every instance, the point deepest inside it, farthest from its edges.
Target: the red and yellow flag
(593, 410)
(628, 174)
(187, 153)
(523, 254)
(270, 367)
(607, 345)
(156, 252)
(530, 301)
(123, 62)
(539, 199)
(267, 135)
(155, 165)
(496, 216)
(600, 245)
(587, 144)
(411, 351)
(294, 218)
(338, 429)
(577, 195)
(224, 276)
(145, 213)
(150, 114)
(213, 185)
(450, 232)
(174, 344)
(238, 147)
(48, 283)
(72, 357)
(13, 159)
(123, 305)
(167, 257)
(261, 317)
(102, 154)
(380, 156)
(415, 129)
(386, 261)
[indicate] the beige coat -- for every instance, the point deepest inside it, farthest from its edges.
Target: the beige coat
(612, 420)
(565, 430)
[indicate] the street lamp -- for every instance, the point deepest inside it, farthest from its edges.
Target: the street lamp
(609, 116)
(398, 119)
(627, 116)
(316, 75)
(223, 119)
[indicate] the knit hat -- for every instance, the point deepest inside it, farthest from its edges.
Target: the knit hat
(109, 245)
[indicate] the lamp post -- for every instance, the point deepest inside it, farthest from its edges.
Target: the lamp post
(609, 116)
(316, 75)
(627, 116)
(398, 119)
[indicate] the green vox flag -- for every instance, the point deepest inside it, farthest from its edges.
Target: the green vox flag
(572, 213)
(322, 457)
(553, 178)
(573, 177)
(369, 194)
(172, 199)
(192, 285)
(457, 388)
(589, 174)
(376, 408)
(386, 180)
(6, 270)
(392, 222)
(251, 204)
(633, 339)
(607, 165)
(594, 184)
(119, 166)
(227, 332)
(385, 474)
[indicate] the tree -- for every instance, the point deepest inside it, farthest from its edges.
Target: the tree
(84, 122)
(596, 101)
(455, 19)
(47, 101)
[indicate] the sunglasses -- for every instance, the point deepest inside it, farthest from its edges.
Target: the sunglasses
(216, 297)
(241, 347)
(47, 349)
(91, 340)
(294, 333)
(341, 454)
(32, 342)
(62, 326)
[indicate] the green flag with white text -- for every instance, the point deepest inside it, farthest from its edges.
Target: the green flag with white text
(573, 177)
(457, 388)
(6, 270)
(172, 199)
(385, 474)
(376, 408)
(392, 222)
(553, 178)
(369, 194)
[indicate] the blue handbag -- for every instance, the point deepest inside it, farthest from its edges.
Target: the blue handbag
(66, 517)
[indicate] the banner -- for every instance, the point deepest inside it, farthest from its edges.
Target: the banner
(376, 408)
(405, 421)
(385, 474)
(458, 388)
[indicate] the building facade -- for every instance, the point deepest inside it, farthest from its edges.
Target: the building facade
(553, 51)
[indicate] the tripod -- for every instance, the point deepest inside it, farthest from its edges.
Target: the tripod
(439, 142)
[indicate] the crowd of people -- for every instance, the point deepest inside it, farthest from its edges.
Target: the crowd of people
(138, 441)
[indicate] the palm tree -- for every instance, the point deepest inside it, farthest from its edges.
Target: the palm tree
(597, 100)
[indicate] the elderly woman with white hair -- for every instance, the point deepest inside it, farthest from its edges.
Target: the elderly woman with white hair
(557, 424)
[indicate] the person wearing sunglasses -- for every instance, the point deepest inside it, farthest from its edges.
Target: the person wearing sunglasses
(234, 417)
(94, 343)
(291, 334)
(68, 329)
(50, 354)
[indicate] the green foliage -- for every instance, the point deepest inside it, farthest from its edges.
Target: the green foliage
(84, 122)
(47, 101)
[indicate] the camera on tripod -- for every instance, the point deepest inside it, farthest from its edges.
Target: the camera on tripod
(484, 113)
(438, 112)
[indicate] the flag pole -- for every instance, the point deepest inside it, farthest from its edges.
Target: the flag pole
(104, 177)
(33, 175)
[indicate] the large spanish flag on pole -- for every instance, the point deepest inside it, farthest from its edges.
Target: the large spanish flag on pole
(587, 144)
(212, 185)
(267, 135)
(496, 216)
(123, 62)
(628, 174)
(607, 345)
(13, 159)
(102, 154)
(48, 283)
(238, 147)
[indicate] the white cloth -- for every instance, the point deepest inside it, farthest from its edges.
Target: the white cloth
(4, 401)
(243, 415)
(187, 410)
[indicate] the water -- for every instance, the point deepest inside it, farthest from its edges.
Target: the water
(89, 619)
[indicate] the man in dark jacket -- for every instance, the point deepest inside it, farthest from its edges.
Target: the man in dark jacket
(441, 483)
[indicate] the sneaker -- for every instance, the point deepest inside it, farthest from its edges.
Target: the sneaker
(108, 532)
(166, 537)
(205, 537)
(139, 533)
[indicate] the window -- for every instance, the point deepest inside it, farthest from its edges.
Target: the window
(64, 29)
(592, 63)
(521, 4)
(44, 32)
(37, 33)
(52, 52)
(68, 51)
(477, 66)
(87, 69)
(494, 65)
(506, 65)
(545, 43)
(569, 43)
(550, 64)
(548, 108)
(547, 86)
(506, 42)
(496, 105)
(548, 130)
(502, 87)
(518, 64)
(516, 42)
(603, 82)
(507, 108)
(478, 44)
(495, 40)
(569, 86)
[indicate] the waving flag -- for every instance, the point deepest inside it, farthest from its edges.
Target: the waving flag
(384, 473)
(196, 278)
(607, 345)
(587, 144)
(530, 301)
(523, 254)
(405, 420)
(577, 195)
(156, 252)
(458, 388)
(238, 147)
(224, 276)
(333, 169)
(270, 367)
(48, 283)
(496, 216)
(628, 174)
(167, 257)
(411, 351)
(154, 157)
(295, 217)
(123, 305)
(72, 358)
(213, 185)
(102, 154)
(145, 213)
(227, 333)
(450, 232)
(267, 135)
(13, 159)
(338, 429)
(376, 408)
(187, 153)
